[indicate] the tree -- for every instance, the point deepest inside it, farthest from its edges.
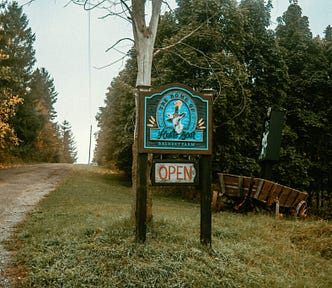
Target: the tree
(43, 91)
(116, 123)
(144, 32)
(8, 101)
(68, 147)
(306, 149)
(36, 133)
(42, 97)
(20, 63)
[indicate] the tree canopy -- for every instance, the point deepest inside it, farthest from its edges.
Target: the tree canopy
(230, 47)
(27, 95)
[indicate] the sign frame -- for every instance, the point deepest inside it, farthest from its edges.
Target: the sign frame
(175, 161)
(195, 109)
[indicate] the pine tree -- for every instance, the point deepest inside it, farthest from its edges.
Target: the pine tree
(8, 100)
(68, 146)
(308, 104)
(20, 62)
(116, 124)
(43, 95)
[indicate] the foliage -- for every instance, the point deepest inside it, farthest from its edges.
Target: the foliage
(7, 111)
(306, 154)
(67, 153)
(90, 244)
(27, 95)
(116, 122)
(8, 101)
(228, 46)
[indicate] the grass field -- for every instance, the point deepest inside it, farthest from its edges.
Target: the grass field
(81, 236)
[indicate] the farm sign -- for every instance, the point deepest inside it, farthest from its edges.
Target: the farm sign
(176, 120)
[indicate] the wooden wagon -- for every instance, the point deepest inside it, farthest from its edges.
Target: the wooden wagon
(267, 192)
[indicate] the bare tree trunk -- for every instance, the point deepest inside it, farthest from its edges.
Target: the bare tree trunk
(144, 43)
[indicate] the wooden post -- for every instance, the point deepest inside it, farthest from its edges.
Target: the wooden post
(141, 198)
(205, 185)
(277, 208)
(141, 180)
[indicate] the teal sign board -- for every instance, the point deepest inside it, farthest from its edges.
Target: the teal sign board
(176, 120)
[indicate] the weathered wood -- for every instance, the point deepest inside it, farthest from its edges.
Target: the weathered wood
(205, 185)
(258, 189)
(283, 197)
(141, 199)
(274, 194)
(263, 190)
(240, 186)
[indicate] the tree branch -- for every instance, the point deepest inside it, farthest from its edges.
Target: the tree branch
(108, 65)
(28, 3)
(117, 42)
(182, 39)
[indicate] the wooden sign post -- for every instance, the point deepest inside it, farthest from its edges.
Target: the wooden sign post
(176, 120)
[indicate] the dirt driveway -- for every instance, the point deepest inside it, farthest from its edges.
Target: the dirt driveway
(20, 190)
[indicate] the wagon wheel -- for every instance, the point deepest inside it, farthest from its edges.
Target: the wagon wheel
(301, 209)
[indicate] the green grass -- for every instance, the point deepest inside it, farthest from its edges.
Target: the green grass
(81, 236)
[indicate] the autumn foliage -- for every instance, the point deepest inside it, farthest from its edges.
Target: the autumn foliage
(28, 131)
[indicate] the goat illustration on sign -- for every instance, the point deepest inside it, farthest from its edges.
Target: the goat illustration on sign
(175, 119)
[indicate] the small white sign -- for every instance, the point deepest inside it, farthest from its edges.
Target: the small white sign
(167, 173)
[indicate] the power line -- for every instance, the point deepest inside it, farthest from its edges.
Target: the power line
(89, 73)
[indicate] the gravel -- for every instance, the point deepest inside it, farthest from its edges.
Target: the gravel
(21, 188)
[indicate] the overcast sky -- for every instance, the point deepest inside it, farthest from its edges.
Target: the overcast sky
(62, 48)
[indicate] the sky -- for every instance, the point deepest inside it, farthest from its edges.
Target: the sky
(62, 47)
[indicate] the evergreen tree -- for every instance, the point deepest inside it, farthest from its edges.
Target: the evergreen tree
(8, 101)
(43, 92)
(20, 51)
(116, 123)
(68, 152)
(229, 47)
(308, 104)
(21, 60)
(43, 96)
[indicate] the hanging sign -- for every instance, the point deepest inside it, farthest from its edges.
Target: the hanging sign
(174, 172)
(176, 120)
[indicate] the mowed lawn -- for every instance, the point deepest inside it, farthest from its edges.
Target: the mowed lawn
(80, 235)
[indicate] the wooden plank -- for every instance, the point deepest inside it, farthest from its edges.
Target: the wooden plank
(274, 194)
(246, 185)
(240, 185)
(284, 196)
(265, 191)
(232, 185)
(257, 190)
(300, 196)
(292, 198)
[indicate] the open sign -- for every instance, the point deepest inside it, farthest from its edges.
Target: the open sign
(175, 173)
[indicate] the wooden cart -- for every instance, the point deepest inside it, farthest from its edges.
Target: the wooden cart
(267, 192)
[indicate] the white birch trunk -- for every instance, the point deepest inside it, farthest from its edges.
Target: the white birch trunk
(144, 37)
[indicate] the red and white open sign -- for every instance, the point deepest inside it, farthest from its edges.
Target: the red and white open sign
(175, 173)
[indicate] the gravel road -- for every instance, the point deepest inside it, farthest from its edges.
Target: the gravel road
(20, 190)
